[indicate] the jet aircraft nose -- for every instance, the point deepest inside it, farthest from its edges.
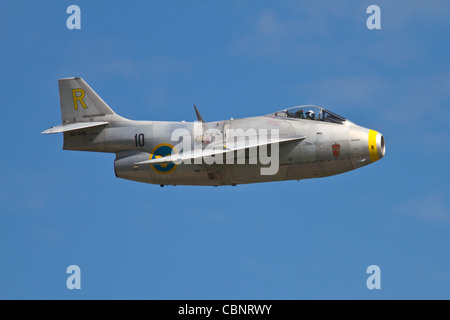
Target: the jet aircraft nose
(376, 145)
(366, 144)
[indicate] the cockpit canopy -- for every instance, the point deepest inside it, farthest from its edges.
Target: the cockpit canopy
(309, 112)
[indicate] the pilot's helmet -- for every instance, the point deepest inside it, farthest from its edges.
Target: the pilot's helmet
(310, 114)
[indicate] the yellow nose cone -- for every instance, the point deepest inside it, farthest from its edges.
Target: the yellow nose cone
(376, 145)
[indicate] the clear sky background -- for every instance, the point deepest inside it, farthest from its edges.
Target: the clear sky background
(152, 60)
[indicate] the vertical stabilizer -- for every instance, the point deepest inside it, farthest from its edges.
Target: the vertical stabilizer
(79, 103)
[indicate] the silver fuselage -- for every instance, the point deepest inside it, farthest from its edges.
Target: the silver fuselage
(312, 157)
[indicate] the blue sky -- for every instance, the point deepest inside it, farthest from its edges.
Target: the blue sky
(312, 239)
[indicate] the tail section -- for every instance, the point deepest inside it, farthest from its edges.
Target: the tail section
(79, 103)
(84, 117)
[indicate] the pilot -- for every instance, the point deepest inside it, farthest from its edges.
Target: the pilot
(299, 114)
(310, 114)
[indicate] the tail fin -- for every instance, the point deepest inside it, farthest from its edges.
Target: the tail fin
(79, 103)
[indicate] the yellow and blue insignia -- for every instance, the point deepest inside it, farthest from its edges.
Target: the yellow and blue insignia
(163, 150)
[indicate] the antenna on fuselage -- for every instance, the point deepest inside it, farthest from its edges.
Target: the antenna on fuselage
(199, 116)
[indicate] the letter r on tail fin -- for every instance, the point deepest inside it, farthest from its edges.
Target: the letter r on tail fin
(79, 103)
(77, 98)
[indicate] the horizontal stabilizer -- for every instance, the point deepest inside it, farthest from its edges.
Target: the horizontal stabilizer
(210, 151)
(74, 126)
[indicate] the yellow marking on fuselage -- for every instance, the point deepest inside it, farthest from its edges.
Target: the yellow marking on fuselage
(163, 165)
(78, 98)
(373, 146)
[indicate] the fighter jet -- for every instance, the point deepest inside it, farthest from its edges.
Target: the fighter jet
(291, 144)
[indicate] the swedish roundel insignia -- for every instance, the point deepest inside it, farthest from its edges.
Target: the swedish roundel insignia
(163, 150)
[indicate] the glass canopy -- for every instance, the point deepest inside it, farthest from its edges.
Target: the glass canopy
(309, 112)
